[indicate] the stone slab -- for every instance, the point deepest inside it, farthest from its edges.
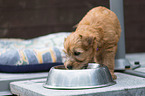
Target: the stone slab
(5, 93)
(127, 85)
(132, 57)
(142, 69)
(6, 78)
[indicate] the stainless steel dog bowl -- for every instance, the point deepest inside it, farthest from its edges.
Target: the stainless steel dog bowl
(94, 76)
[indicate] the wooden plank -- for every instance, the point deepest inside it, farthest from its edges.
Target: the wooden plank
(35, 4)
(19, 17)
(31, 32)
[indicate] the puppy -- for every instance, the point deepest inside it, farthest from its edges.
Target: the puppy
(94, 40)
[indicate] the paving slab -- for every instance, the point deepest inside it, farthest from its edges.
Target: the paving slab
(5, 93)
(127, 85)
(142, 69)
(6, 78)
(133, 57)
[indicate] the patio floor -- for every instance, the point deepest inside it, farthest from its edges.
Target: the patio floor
(127, 85)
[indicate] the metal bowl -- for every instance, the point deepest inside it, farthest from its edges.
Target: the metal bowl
(96, 75)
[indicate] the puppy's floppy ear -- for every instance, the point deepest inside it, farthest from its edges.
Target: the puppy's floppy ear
(88, 41)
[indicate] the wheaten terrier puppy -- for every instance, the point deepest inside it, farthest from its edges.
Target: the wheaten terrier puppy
(94, 40)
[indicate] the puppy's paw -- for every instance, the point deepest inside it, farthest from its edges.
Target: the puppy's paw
(114, 77)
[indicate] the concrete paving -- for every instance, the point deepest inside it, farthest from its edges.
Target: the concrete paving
(127, 85)
(6, 78)
(133, 57)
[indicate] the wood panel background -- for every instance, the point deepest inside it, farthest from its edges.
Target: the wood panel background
(134, 13)
(32, 18)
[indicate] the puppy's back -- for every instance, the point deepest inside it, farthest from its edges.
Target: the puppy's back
(104, 18)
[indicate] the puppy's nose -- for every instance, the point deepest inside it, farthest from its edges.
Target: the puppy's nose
(69, 66)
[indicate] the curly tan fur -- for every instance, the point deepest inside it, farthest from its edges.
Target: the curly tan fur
(99, 29)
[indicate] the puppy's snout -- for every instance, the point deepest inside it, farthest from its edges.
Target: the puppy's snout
(69, 66)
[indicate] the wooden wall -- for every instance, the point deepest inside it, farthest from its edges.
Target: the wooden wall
(31, 18)
(134, 13)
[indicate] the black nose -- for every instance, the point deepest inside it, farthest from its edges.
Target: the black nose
(69, 67)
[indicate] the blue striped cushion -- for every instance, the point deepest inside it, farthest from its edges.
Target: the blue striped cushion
(44, 50)
(30, 56)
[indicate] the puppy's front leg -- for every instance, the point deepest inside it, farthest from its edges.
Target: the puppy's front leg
(108, 59)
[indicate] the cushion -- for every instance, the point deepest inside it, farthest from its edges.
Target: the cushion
(33, 55)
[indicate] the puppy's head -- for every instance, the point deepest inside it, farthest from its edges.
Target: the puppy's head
(79, 50)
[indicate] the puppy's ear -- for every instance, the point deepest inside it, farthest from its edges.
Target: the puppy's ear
(88, 41)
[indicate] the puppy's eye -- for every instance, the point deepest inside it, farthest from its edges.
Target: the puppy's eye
(77, 53)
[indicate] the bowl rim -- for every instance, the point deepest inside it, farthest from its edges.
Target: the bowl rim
(78, 87)
(100, 66)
